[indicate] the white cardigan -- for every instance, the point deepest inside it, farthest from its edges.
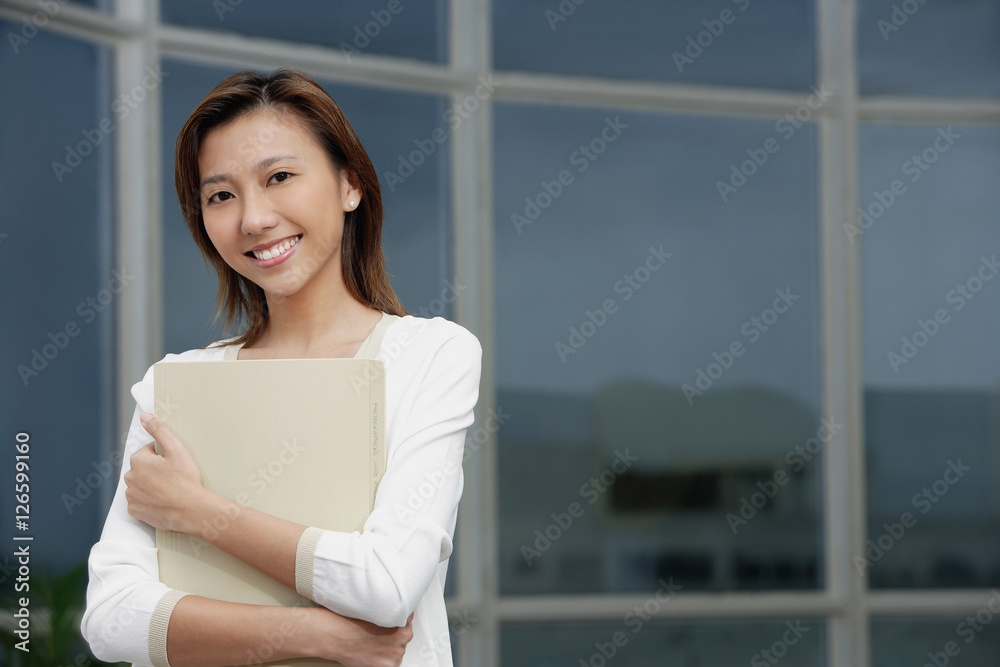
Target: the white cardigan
(395, 567)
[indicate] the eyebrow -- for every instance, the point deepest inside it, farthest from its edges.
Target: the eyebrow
(260, 166)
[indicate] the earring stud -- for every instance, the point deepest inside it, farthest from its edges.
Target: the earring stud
(352, 203)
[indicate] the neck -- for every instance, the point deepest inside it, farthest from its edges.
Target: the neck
(321, 314)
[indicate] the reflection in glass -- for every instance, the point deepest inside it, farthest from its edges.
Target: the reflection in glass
(394, 27)
(637, 642)
(731, 43)
(61, 289)
(932, 384)
(916, 47)
(970, 640)
(658, 354)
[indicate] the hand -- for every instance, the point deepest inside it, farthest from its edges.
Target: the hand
(356, 643)
(162, 488)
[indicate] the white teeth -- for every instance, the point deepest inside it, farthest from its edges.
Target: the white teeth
(276, 249)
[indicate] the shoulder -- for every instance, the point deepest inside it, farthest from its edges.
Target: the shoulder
(428, 335)
(416, 342)
(142, 391)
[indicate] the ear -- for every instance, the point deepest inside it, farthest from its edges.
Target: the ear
(350, 189)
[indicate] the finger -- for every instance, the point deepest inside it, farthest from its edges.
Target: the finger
(141, 453)
(156, 428)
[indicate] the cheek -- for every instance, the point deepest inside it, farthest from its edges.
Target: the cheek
(216, 232)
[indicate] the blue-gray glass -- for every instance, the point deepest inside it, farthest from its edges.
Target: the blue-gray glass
(930, 243)
(658, 352)
(967, 640)
(921, 47)
(637, 641)
(731, 42)
(394, 27)
(416, 233)
(61, 287)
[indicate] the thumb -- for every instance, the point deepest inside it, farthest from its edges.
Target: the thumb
(156, 428)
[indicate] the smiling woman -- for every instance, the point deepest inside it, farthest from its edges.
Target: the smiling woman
(240, 134)
(283, 200)
(244, 208)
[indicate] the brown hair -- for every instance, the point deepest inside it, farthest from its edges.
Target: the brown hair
(290, 91)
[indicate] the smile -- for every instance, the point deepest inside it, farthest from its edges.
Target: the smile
(277, 250)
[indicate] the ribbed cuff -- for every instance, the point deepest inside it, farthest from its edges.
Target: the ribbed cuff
(304, 554)
(158, 628)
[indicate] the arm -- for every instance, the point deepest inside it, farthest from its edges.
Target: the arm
(379, 575)
(128, 610)
(206, 633)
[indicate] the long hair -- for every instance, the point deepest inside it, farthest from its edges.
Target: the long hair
(289, 91)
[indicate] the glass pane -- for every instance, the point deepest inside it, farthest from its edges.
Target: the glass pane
(660, 410)
(915, 47)
(416, 233)
(734, 42)
(60, 290)
(970, 641)
(930, 241)
(394, 27)
(636, 643)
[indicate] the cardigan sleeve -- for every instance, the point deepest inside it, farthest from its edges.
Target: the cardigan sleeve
(127, 607)
(381, 574)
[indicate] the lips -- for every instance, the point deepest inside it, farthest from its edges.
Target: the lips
(275, 250)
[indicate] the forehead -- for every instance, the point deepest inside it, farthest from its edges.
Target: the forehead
(253, 136)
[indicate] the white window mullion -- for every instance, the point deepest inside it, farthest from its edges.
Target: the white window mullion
(470, 57)
(844, 509)
(137, 185)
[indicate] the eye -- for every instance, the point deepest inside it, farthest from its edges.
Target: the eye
(281, 176)
(222, 196)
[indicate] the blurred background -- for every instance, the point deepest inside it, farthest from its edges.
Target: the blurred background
(732, 265)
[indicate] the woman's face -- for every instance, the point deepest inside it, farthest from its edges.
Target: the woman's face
(273, 204)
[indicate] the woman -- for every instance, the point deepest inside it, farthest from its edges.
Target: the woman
(283, 200)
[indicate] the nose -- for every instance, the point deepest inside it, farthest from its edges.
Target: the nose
(258, 214)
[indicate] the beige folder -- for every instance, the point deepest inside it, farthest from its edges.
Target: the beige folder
(301, 439)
